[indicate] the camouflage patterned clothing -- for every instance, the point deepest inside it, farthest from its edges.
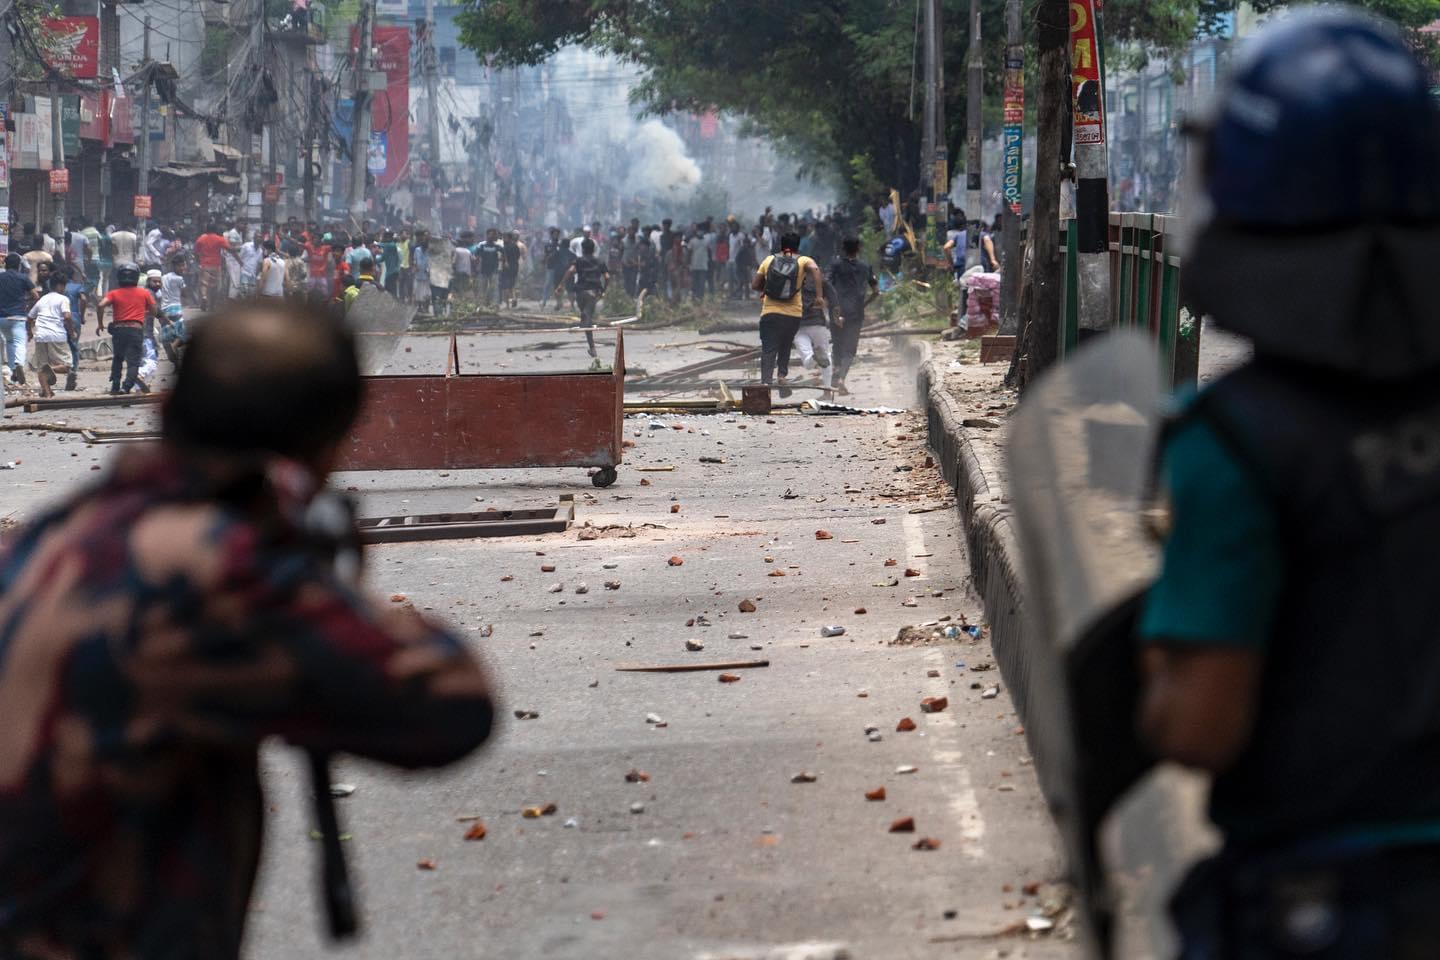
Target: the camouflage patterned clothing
(150, 639)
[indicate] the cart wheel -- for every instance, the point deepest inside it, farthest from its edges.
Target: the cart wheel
(604, 477)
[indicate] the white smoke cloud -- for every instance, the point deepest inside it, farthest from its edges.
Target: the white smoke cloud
(661, 165)
(596, 90)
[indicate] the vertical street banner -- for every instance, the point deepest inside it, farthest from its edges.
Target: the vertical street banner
(1013, 132)
(1085, 74)
(72, 46)
(390, 108)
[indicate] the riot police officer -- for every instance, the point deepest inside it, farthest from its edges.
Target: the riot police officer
(1290, 644)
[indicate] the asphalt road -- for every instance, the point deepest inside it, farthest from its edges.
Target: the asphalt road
(726, 857)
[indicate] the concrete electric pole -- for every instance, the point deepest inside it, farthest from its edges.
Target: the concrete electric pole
(432, 112)
(1092, 166)
(57, 161)
(1012, 243)
(144, 184)
(360, 129)
(975, 126)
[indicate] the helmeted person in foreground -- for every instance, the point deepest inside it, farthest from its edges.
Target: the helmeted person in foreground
(155, 629)
(1292, 643)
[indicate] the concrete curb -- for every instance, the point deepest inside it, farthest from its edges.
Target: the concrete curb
(990, 532)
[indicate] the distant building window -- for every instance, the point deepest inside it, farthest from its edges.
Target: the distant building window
(447, 61)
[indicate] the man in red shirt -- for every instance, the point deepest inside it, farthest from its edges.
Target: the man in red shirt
(317, 256)
(209, 247)
(132, 305)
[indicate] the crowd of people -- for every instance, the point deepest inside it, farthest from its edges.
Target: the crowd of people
(558, 269)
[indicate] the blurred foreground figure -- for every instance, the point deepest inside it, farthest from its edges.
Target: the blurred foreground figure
(1290, 645)
(158, 627)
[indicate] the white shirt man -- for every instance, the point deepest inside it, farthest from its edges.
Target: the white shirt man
(250, 256)
(50, 321)
(155, 245)
(122, 246)
(577, 245)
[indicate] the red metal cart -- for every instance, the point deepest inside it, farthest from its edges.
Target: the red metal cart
(492, 421)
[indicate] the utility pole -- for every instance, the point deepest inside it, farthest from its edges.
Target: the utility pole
(1040, 344)
(57, 160)
(975, 123)
(1013, 255)
(145, 129)
(432, 111)
(360, 129)
(307, 156)
(927, 118)
(1092, 163)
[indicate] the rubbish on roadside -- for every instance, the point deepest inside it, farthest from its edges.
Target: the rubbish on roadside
(637, 807)
(398, 598)
(476, 832)
(912, 572)
(714, 460)
(981, 423)
(488, 630)
(341, 790)
(824, 535)
(547, 568)
(932, 673)
(728, 678)
(694, 646)
(555, 588)
(757, 646)
(426, 864)
(875, 795)
(905, 725)
(533, 813)
(836, 631)
(612, 584)
(926, 843)
(906, 769)
(874, 736)
(667, 468)
(861, 611)
(674, 508)
(903, 825)
(653, 718)
(675, 562)
(610, 566)
(891, 562)
(934, 704)
(776, 573)
(582, 588)
(909, 602)
(804, 776)
(1039, 924)
(691, 667)
(527, 715)
(747, 606)
(990, 693)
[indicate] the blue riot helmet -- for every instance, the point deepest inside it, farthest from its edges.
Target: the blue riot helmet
(1318, 222)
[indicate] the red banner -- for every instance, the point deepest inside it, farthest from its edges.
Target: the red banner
(106, 118)
(72, 45)
(1085, 69)
(141, 206)
(59, 181)
(390, 108)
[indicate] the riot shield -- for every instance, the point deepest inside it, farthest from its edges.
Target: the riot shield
(1081, 451)
(378, 321)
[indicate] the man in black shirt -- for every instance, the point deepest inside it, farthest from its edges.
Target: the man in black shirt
(855, 289)
(591, 276)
